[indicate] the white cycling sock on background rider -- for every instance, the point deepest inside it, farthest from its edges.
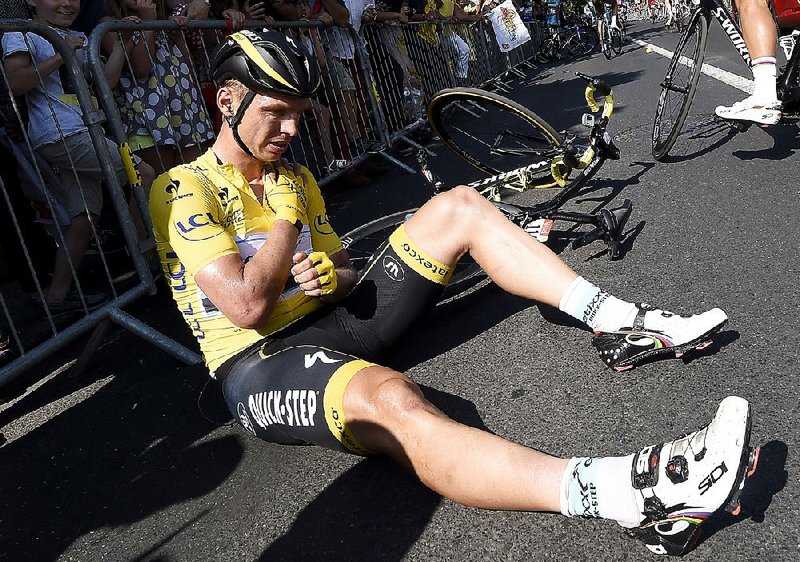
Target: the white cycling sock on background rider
(764, 79)
(591, 305)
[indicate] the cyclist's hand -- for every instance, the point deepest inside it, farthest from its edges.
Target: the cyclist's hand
(314, 273)
(286, 197)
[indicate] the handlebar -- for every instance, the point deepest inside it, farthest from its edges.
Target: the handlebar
(562, 165)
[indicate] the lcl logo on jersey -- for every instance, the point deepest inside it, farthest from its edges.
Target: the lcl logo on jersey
(393, 268)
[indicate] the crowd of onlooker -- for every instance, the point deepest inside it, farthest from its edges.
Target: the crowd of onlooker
(167, 107)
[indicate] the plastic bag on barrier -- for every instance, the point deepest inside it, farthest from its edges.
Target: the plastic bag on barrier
(509, 30)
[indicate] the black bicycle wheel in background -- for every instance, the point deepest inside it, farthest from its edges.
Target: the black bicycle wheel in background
(679, 85)
(493, 133)
(616, 41)
(364, 242)
(606, 42)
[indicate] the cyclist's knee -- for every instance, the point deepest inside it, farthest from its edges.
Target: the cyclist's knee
(385, 400)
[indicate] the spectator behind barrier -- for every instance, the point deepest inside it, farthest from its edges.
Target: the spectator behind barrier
(160, 103)
(58, 134)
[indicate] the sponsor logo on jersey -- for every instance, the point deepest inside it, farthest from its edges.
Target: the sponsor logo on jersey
(173, 186)
(322, 226)
(310, 360)
(290, 407)
(393, 268)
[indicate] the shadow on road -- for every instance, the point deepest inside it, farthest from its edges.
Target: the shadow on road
(769, 479)
(374, 511)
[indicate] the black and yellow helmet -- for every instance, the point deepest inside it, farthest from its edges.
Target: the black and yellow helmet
(265, 62)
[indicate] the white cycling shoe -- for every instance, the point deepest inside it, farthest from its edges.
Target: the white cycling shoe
(655, 332)
(750, 109)
(679, 484)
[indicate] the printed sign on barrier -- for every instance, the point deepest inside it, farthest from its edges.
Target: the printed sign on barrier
(508, 27)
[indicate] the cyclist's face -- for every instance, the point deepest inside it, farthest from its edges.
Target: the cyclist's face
(270, 123)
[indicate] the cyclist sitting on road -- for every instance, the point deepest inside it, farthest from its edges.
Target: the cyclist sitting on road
(760, 36)
(263, 281)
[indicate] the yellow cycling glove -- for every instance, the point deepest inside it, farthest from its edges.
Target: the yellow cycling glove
(326, 271)
(287, 199)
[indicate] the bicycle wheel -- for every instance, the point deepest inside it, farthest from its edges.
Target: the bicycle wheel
(606, 42)
(679, 85)
(581, 42)
(616, 41)
(493, 133)
(366, 241)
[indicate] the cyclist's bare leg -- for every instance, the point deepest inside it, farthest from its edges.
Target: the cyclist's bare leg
(758, 27)
(760, 37)
(461, 220)
(388, 414)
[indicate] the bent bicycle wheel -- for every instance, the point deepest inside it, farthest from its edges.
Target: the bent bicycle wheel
(367, 241)
(679, 85)
(494, 134)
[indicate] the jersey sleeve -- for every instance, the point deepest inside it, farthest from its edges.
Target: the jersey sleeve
(187, 216)
(323, 237)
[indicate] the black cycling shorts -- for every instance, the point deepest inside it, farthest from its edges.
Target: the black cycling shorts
(289, 387)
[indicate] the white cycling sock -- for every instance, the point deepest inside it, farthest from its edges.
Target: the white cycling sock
(599, 487)
(594, 307)
(764, 82)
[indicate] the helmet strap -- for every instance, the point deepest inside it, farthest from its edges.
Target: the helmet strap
(236, 118)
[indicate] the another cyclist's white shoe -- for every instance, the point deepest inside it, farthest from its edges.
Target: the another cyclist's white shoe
(751, 109)
(679, 484)
(655, 332)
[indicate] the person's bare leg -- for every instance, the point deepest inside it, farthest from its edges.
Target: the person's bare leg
(461, 221)
(758, 28)
(76, 239)
(388, 414)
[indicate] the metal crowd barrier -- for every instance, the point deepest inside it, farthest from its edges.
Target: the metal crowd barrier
(375, 88)
(36, 329)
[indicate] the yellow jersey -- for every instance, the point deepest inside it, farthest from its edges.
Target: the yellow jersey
(205, 210)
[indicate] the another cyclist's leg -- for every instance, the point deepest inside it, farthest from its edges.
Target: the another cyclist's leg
(760, 37)
(460, 221)
(668, 11)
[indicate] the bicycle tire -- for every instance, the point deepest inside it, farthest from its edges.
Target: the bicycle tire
(364, 242)
(616, 42)
(606, 43)
(664, 137)
(582, 43)
(477, 141)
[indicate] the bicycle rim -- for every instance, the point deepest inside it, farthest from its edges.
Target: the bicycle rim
(493, 133)
(616, 42)
(679, 86)
(367, 241)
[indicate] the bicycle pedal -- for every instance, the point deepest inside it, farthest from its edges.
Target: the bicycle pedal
(588, 120)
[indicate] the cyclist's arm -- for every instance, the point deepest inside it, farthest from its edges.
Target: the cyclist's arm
(246, 292)
(191, 224)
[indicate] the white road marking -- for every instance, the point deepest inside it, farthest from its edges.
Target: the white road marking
(729, 78)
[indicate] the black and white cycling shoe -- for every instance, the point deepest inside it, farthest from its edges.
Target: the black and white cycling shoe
(680, 484)
(657, 332)
(749, 109)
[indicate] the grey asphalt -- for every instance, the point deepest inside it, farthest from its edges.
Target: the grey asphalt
(133, 461)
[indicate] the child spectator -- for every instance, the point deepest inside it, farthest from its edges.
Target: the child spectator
(58, 134)
(166, 120)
